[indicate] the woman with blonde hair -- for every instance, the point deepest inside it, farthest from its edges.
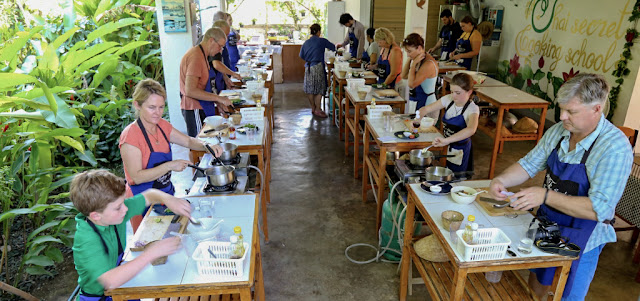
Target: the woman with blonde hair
(468, 46)
(390, 59)
(145, 144)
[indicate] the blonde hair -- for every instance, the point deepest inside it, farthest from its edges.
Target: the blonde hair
(222, 24)
(215, 33)
(93, 190)
(144, 89)
(384, 34)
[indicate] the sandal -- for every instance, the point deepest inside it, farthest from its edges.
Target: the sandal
(320, 114)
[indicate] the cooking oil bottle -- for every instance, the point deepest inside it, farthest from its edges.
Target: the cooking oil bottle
(238, 232)
(468, 234)
(235, 251)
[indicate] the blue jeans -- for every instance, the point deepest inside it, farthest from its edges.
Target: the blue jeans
(584, 274)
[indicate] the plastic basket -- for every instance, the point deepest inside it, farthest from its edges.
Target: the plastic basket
(491, 244)
(377, 111)
(221, 266)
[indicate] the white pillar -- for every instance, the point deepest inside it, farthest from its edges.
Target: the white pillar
(415, 19)
(173, 46)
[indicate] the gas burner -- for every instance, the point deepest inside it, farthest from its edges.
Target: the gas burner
(414, 167)
(233, 161)
(408, 172)
(226, 188)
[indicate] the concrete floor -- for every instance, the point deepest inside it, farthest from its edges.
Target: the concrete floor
(316, 212)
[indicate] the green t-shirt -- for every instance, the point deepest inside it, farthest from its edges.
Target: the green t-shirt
(88, 251)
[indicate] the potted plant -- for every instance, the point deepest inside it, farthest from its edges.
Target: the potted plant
(241, 24)
(303, 13)
(254, 20)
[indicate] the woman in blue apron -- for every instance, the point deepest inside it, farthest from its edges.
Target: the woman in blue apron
(570, 179)
(232, 45)
(145, 144)
(468, 46)
(460, 122)
(390, 60)
(421, 71)
(371, 54)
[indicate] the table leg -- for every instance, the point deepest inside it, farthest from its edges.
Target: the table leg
(356, 142)
(245, 294)
(341, 112)
(365, 167)
(496, 143)
(543, 118)
(382, 164)
(335, 100)
(459, 281)
(259, 279)
(405, 261)
(559, 281)
(265, 196)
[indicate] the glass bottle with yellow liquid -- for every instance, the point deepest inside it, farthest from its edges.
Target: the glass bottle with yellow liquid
(238, 233)
(470, 229)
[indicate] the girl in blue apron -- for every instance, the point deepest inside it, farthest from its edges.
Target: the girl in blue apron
(424, 93)
(461, 92)
(465, 44)
(570, 179)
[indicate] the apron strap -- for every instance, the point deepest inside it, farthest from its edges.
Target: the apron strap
(205, 56)
(144, 133)
(466, 105)
(104, 244)
(588, 152)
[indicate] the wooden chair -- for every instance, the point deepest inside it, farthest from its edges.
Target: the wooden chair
(632, 135)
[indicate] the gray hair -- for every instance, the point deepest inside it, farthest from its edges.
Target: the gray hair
(215, 33)
(222, 24)
(590, 89)
(220, 15)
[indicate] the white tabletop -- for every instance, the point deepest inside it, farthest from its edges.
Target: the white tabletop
(248, 101)
(445, 66)
(510, 95)
(397, 125)
(336, 73)
(242, 139)
(514, 228)
(180, 269)
(354, 96)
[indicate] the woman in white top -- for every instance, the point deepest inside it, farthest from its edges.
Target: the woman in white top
(372, 51)
(460, 122)
(421, 71)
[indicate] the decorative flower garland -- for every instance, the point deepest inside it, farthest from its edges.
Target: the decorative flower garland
(621, 69)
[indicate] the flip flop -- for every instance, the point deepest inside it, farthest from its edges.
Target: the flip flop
(320, 114)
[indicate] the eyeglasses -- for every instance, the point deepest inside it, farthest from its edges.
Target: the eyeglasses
(221, 46)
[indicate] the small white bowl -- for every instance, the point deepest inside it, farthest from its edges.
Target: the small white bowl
(460, 198)
(426, 122)
(435, 188)
(214, 121)
(407, 134)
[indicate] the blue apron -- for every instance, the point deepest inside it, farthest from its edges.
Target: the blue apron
(384, 69)
(353, 44)
(570, 179)
(418, 94)
(209, 107)
(155, 158)
(464, 46)
(232, 46)
(365, 56)
(451, 126)
(89, 297)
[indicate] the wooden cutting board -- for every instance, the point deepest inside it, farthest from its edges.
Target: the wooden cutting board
(409, 124)
(206, 127)
(488, 207)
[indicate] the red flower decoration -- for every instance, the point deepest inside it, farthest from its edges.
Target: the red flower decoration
(71, 97)
(630, 36)
(529, 83)
(6, 127)
(541, 62)
(514, 65)
(570, 75)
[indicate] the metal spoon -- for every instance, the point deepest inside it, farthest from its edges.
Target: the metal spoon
(195, 221)
(426, 149)
(215, 157)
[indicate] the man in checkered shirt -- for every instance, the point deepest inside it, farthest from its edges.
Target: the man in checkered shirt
(588, 161)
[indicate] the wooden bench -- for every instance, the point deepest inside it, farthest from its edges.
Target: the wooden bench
(226, 297)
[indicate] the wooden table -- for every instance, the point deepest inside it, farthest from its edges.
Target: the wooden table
(444, 68)
(341, 82)
(504, 99)
(179, 276)
(266, 102)
(457, 279)
(259, 147)
(488, 82)
(353, 125)
(375, 162)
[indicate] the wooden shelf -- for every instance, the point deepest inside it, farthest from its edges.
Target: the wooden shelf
(438, 278)
(489, 128)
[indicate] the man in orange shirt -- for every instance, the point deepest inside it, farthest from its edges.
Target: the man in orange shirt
(194, 79)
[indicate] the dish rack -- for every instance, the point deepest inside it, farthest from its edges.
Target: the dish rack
(221, 265)
(491, 243)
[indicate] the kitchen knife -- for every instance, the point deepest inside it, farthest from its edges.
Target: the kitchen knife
(490, 200)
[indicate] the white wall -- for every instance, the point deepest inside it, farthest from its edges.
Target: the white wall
(415, 19)
(173, 46)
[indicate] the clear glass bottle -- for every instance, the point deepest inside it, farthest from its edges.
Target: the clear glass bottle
(467, 235)
(373, 103)
(234, 251)
(238, 232)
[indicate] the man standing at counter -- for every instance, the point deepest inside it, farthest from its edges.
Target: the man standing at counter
(449, 34)
(588, 161)
(355, 36)
(194, 78)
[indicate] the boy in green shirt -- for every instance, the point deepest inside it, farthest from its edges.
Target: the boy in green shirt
(101, 231)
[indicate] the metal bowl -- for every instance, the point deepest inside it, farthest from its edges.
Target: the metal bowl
(438, 173)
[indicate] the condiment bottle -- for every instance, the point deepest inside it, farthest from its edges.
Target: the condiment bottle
(373, 102)
(467, 235)
(234, 251)
(232, 133)
(238, 232)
